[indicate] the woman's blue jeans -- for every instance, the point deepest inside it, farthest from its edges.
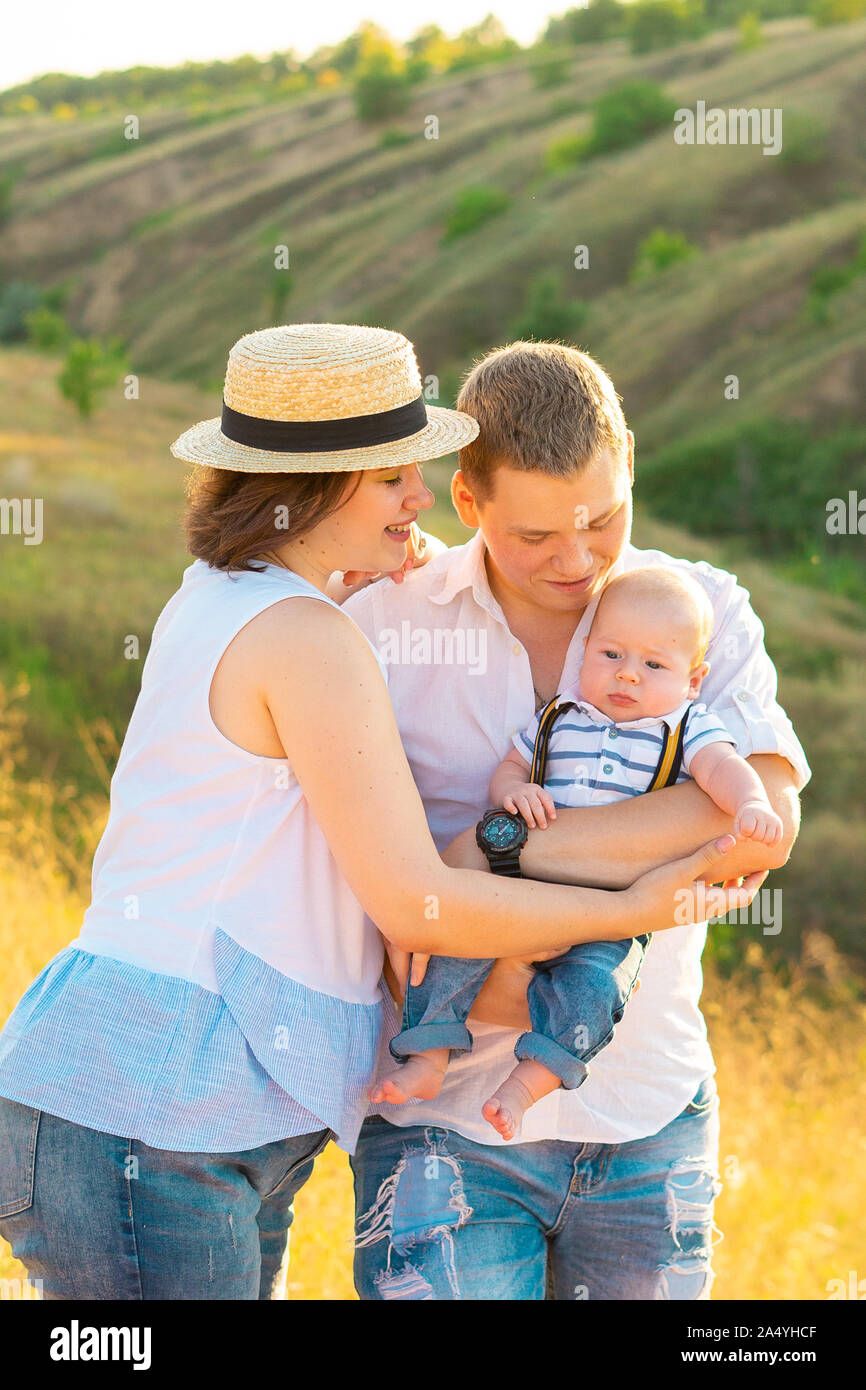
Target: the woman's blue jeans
(93, 1215)
(440, 1217)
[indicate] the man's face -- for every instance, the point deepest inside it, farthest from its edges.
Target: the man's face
(552, 542)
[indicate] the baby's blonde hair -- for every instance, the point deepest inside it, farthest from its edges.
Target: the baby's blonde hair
(664, 585)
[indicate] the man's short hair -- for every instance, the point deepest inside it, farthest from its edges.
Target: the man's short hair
(542, 407)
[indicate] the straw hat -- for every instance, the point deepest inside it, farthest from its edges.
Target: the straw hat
(323, 398)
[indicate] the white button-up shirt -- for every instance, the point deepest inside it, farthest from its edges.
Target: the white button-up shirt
(461, 686)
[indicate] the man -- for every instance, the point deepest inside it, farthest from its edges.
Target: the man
(607, 1193)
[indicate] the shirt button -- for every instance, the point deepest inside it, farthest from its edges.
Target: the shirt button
(608, 769)
(743, 695)
(517, 649)
(611, 733)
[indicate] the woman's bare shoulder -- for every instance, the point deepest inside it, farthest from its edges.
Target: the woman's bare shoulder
(301, 630)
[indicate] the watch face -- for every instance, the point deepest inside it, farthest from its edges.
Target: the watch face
(501, 832)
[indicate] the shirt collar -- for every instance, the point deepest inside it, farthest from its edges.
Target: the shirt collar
(672, 719)
(466, 569)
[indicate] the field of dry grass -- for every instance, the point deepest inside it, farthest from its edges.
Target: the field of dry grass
(791, 1057)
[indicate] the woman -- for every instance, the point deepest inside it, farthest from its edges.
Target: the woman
(169, 1078)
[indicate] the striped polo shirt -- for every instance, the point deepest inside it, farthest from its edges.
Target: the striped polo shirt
(592, 759)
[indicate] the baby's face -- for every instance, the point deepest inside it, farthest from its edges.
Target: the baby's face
(640, 659)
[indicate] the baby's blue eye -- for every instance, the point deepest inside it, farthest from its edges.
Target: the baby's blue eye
(614, 656)
(655, 665)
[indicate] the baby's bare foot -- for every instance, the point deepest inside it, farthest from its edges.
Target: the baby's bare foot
(527, 1083)
(419, 1078)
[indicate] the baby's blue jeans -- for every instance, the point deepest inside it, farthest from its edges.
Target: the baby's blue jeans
(575, 1001)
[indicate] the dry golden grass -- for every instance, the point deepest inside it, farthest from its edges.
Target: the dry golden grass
(792, 1073)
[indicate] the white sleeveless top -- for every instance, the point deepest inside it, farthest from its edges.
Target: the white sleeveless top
(204, 836)
(224, 988)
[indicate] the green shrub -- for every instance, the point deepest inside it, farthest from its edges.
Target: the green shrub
(830, 280)
(629, 113)
(474, 206)
(91, 366)
(381, 90)
(565, 153)
(659, 251)
(391, 138)
(547, 313)
(46, 329)
(766, 482)
(751, 33)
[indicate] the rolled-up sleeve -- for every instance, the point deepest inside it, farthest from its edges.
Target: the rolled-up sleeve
(741, 684)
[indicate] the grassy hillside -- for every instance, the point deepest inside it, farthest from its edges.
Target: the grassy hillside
(169, 241)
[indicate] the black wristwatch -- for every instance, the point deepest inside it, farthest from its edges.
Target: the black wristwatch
(502, 835)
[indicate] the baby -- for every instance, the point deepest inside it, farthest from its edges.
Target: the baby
(642, 670)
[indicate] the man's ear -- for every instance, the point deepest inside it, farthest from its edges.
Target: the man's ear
(630, 456)
(463, 501)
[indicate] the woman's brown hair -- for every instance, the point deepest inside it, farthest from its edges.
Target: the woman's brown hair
(232, 517)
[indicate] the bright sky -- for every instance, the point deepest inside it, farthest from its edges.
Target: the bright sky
(91, 35)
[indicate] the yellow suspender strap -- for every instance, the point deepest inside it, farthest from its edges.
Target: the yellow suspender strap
(542, 738)
(668, 765)
(671, 758)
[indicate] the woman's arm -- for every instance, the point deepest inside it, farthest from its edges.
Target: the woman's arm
(323, 688)
(611, 846)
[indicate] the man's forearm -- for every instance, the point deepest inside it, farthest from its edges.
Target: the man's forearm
(610, 846)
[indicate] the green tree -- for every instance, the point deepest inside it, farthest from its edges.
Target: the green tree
(656, 24)
(382, 88)
(91, 366)
(599, 20)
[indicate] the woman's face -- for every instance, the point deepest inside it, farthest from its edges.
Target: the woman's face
(371, 529)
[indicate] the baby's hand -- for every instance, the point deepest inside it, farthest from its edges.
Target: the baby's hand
(755, 820)
(531, 801)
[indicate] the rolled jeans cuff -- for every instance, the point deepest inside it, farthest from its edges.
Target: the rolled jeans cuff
(535, 1047)
(424, 1037)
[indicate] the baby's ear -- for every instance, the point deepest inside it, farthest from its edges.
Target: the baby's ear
(698, 675)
